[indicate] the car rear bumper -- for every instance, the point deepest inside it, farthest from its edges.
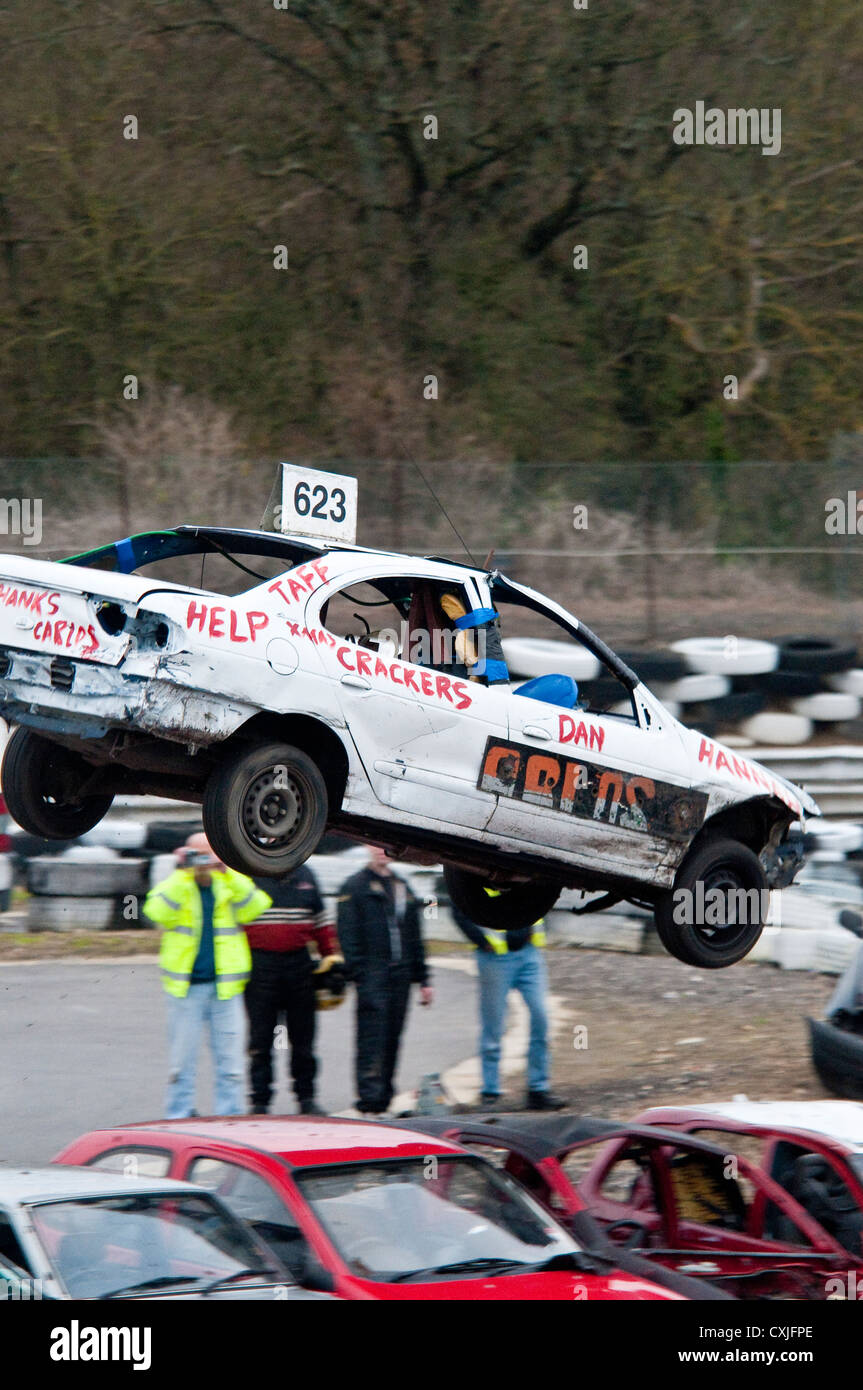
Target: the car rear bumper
(85, 700)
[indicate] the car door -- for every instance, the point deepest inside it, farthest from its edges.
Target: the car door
(420, 731)
(253, 1194)
(610, 787)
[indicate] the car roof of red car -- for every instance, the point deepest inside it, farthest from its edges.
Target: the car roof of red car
(297, 1139)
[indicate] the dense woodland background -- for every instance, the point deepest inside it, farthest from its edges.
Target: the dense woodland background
(304, 127)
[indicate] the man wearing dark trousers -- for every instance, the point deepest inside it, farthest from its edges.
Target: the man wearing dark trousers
(282, 984)
(381, 940)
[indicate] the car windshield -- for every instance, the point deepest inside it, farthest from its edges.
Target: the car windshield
(102, 1246)
(431, 1216)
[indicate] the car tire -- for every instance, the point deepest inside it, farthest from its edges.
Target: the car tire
(827, 707)
(519, 906)
(849, 682)
(818, 655)
(775, 727)
(725, 656)
(655, 667)
(788, 685)
(724, 864)
(537, 656)
(265, 809)
(692, 689)
(36, 774)
(740, 704)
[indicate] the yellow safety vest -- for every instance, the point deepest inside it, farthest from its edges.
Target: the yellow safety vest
(497, 939)
(175, 905)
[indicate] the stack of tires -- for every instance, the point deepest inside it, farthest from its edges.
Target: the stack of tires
(781, 693)
(778, 693)
(90, 889)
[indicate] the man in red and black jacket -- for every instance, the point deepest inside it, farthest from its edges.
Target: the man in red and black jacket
(292, 942)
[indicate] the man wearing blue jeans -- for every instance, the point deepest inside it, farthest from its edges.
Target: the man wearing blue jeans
(509, 960)
(205, 961)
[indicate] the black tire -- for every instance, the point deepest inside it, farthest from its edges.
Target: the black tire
(740, 704)
(40, 781)
(837, 1057)
(510, 908)
(789, 684)
(656, 666)
(726, 865)
(265, 809)
(817, 655)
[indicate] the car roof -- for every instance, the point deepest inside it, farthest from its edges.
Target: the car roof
(67, 1181)
(308, 547)
(839, 1120)
(547, 1136)
(299, 1140)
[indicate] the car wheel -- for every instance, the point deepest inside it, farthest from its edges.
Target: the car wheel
(265, 809)
(40, 781)
(501, 909)
(695, 928)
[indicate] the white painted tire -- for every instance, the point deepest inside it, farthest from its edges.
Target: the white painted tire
(774, 727)
(537, 656)
(849, 682)
(827, 706)
(842, 836)
(693, 688)
(737, 741)
(726, 656)
(70, 914)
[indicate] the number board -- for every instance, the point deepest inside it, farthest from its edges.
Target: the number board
(317, 504)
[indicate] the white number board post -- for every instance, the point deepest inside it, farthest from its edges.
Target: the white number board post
(317, 504)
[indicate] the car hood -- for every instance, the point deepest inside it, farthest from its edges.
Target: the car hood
(728, 767)
(564, 1285)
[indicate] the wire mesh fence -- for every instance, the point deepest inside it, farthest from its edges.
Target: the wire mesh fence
(645, 553)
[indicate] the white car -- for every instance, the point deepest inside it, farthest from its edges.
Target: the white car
(368, 691)
(73, 1233)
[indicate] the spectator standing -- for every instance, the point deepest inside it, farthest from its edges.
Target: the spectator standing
(381, 940)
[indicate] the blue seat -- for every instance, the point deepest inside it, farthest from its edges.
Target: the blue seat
(553, 689)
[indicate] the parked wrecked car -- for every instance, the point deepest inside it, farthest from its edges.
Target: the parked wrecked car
(371, 1211)
(73, 1233)
(684, 1206)
(812, 1148)
(367, 691)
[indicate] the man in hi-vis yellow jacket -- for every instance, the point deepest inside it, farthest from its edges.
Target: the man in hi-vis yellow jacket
(205, 962)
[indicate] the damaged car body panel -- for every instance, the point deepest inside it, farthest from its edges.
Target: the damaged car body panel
(372, 666)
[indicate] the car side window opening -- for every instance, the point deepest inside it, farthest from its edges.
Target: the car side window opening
(427, 622)
(255, 1201)
(543, 652)
(133, 1162)
(706, 1192)
(630, 1183)
(816, 1185)
(10, 1246)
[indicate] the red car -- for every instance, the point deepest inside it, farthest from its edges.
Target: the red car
(369, 1211)
(812, 1148)
(678, 1202)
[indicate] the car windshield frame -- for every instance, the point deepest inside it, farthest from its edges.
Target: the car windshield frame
(245, 1252)
(560, 1241)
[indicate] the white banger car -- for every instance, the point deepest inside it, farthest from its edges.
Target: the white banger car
(366, 691)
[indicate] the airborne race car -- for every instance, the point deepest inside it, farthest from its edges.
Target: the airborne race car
(283, 710)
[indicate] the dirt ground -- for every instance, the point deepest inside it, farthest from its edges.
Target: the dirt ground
(659, 1032)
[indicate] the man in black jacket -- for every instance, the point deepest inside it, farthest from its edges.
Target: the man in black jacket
(381, 940)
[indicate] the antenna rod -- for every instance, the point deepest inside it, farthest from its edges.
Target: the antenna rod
(445, 512)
